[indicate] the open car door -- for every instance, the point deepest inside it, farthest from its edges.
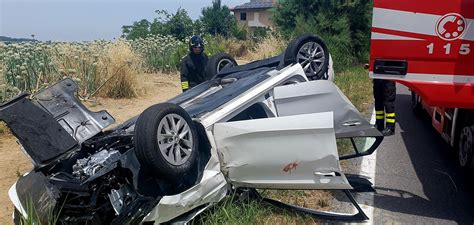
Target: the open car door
(428, 46)
(293, 152)
(297, 149)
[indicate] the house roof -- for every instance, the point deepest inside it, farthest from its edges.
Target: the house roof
(254, 5)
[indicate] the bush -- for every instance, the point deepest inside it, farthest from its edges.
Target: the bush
(238, 48)
(260, 33)
(160, 53)
(213, 44)
(270, 46)
(239, 32)
(123, 66)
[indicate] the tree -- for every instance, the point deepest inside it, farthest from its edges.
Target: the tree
(179, 25)
(158, 26)
(217, 19)
(139, 29)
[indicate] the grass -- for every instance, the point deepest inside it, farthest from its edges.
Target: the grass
(357, 86)
(119, 80)
(268, 47)
(3, 128)
(18, 174)
(344, 147)
(232, 211)
(33, 216)
(108, 69)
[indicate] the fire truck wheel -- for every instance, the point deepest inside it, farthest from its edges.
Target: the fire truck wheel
(465, 147)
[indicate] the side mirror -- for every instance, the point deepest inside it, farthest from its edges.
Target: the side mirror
(354, 147)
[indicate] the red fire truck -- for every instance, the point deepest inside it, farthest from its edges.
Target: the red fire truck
(428, 46)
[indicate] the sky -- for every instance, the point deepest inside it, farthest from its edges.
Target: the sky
(85, 20)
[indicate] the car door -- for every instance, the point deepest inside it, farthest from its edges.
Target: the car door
(290, 152)
(298, 148)
(356, 137)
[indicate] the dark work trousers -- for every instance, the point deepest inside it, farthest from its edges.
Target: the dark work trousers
(384, 93)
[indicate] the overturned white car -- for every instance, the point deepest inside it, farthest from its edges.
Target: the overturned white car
(262, 125)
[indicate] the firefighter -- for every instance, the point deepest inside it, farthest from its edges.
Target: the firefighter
(194, 64)
(384, 94)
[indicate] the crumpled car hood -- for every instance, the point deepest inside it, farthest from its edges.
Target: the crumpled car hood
(52, 122)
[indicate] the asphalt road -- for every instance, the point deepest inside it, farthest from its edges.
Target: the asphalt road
(416, 177)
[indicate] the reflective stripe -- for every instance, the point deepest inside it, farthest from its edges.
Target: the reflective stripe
(390, 114)
(184, 85)
(417, 23)
(382, 36)
(390, 120)
(379, 112)
(424, 77)
(380, 117)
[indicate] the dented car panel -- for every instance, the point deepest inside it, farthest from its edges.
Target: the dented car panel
(291, 152)
(60, 101)
(323, 96)
(61, 123)
(211, 189)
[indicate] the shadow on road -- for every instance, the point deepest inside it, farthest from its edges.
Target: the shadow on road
(425, 182)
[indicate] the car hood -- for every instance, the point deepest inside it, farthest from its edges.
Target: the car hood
(52, 122)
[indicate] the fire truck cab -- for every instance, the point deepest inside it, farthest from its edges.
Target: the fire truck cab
(428, 46)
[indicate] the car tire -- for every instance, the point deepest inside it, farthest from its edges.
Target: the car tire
(465, 147)
(416, 104)
(219, 62)
(166, 141)
(312, 53)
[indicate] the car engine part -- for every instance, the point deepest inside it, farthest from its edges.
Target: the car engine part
(87, 167)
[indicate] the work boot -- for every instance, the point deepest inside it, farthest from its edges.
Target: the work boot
(388, 131)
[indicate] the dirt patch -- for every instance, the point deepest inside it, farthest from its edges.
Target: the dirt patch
(13, 163)
(156, 88)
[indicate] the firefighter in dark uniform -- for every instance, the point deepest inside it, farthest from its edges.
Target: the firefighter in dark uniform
(384, 94)
(194, 64)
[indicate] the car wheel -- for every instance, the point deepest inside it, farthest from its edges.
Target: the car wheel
(166, 141)
(465, 147)
(416, 104)
(218, 63)
(312, 53)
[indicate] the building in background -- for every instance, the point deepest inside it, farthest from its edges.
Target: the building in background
(256, 13)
